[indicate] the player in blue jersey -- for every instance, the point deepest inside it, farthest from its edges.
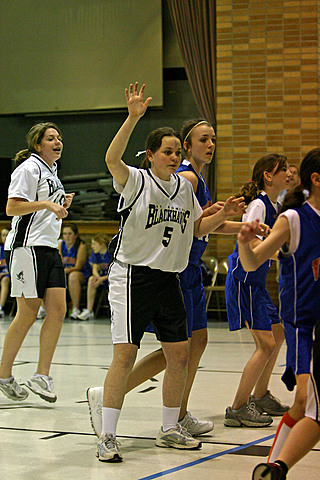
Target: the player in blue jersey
(159, 216)
(296, 233)
(37, 202)
(99, 260)
(77, 268)
(4, 274)
(249, 304)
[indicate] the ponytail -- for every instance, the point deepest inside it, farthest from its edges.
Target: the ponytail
(295, 198)
(21, 156)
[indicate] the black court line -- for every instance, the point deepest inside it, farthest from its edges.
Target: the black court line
(60, 433)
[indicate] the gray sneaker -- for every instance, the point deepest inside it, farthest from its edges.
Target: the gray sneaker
(13, 390)
(108, 449)
(247, 416)
(269, 404)
(42, 386)
(195, 426)
(177, 438)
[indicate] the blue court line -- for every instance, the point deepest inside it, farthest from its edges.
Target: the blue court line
(205, 459)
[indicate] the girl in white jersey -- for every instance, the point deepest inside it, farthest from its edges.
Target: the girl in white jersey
(296, 233)
(37, 201)
(160, 214)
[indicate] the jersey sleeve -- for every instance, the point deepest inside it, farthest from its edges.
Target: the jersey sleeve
(24, 183)
(256, 211)
(132, 186)
(294, 223)
(197, 208)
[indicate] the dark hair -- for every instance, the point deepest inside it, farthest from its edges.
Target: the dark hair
(267, 163)
(154, 140)
(309, 165)
(34, 137)
(75, 230)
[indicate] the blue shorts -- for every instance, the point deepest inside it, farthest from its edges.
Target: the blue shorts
(299, 348)
(194, 299)
(248, 304)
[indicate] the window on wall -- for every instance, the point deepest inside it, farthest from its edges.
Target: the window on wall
(77, 55)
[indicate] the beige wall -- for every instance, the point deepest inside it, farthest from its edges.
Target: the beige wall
(267, 89)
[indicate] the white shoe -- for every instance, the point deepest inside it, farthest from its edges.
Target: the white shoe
(195, 426)
(42, 385)
(177, 438)
(108, 449)
(74, 314)
(1, 313)
(41, 313)
(86, 315)
(95, 396)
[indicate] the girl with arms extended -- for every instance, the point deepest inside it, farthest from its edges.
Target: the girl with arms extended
(296, 233)
(249, 304)
(160, 214)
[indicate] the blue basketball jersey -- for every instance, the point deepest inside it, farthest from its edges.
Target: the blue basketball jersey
(199, 244)
(3, 265)
(69, 258)
(102, 260)
(259, 276)
(299, 281)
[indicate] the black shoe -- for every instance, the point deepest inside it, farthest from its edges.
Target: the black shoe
(268, 471)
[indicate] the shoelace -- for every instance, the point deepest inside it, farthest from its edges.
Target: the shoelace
(183, 431)
(251, 406)
(16, 387)
(112, 442)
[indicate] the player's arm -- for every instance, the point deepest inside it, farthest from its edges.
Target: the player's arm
(252, 258)
(136, 109)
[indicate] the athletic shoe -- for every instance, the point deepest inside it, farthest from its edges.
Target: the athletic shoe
(195, 426)
(108, 449)
(74, 314)
(41, 313)
(268, 471)
(269, 404)
(42, 385)
(177, 438)
(86, 315)
(13, 390)
(94, 396)
(247, 416)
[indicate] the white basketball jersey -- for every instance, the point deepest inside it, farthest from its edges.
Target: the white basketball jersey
(33, 181)
(157, 221)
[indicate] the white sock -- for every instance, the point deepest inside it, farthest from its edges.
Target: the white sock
(170, 417)
(6, 380)
(110, 417)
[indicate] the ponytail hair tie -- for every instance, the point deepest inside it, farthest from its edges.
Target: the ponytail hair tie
(250, 181)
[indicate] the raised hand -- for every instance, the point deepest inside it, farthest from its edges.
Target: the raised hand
(136, 106)
(249, 231)
(234, 206)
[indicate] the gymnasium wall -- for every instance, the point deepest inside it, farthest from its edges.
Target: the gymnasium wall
(267, 89)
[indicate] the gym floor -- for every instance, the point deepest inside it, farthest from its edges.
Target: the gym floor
(42, 441)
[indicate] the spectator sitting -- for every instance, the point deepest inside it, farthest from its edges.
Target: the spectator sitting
(4, 274)
(99, 259)
(74, 255)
